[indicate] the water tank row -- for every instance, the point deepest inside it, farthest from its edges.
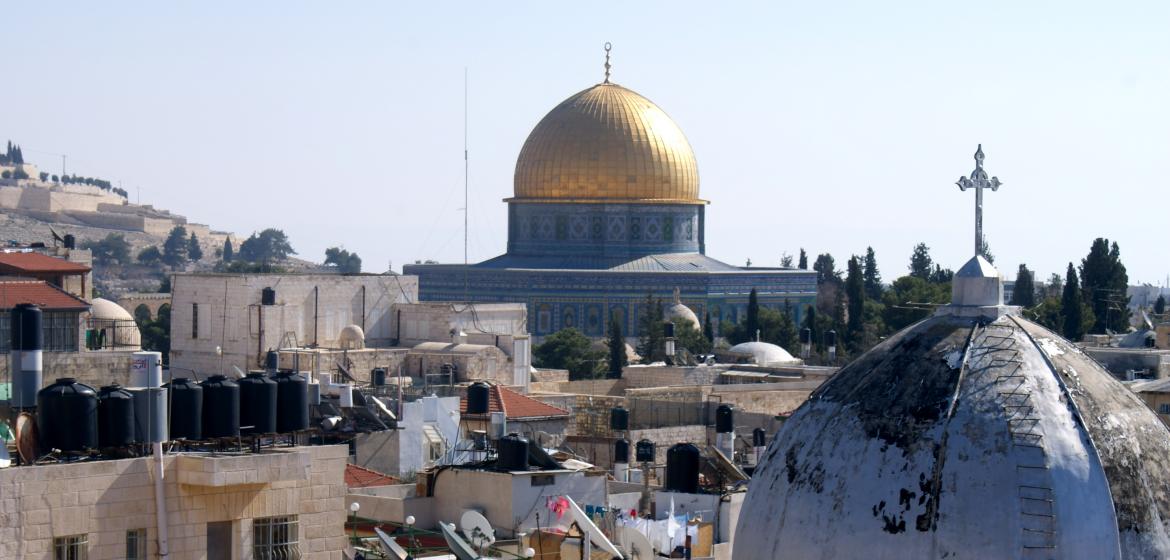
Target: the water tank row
(73, 417)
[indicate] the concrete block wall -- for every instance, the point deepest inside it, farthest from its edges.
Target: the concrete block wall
(105, 499)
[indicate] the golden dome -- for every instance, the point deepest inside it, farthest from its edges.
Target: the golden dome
(607, 144)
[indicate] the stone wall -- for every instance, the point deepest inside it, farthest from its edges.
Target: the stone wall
(599, 449)
(95, 369)
(104, 499)
(310, 311)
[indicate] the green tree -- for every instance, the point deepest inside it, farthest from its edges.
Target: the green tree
(708, 330)
(941, 275)
(269, 246)
(803, 262)
(779, 328)
(873, 278)
(826, 269)
(569, 349)
(228, 251)
(1160, 305)
(1104, 281)
(855, 298)
(921, 265)
(813, 326)
(1070, 307)
(689, 338)
(113, 249)
(156, 334)
(175, 247)
(346, 262)
(1047, 314)
(616, 344)
(194, 251)
(911, 299)
(985, 250)
(150, 256)
(651, 336)
(752, 320)
(785, 261)
(1024, 293)
(164, 285)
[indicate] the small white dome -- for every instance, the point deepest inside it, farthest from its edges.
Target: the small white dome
(352, 337)
(100, 308)
(113, 325)
(677, 311)
(765, 354)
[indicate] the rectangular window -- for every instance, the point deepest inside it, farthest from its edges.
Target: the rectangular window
(73, 547)
(1164, 408)
(194, 320)
(543, 480)
(275, 538)
(219, 539)
(136, 544)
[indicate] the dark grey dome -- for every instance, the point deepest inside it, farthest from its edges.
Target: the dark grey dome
(964, 437)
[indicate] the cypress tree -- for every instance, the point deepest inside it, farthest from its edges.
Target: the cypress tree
(873, 278)
(228, 250)
(708, 331)
(752, 322)
(1160, 305)
(1024, 294)
(921, 265)
(855, 296)
(803, 263)
(194, 251)
(1104, 281)
(1071, 306)
(617, 349)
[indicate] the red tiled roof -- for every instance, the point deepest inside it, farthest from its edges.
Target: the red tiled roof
(361, 477)
(13, 292)
(514, 405)
(36, 262)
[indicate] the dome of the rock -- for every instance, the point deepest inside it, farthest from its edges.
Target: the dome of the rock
(973, 434)
(607, 144)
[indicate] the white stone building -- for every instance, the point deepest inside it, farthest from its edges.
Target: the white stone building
(223, 320)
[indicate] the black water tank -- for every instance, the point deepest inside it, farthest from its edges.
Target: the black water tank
(69, 241)
(221, 407)
(724, 419)
(257, 404)
(26, 327)
(831, 338)
(668, 329)
(292, 402)
(644, 451)
(512, 453)
(271, 361)
(619, 419)
(186, 409)
(759, 438)
(477, 398)
(621, 451)
(378, 375)
(115, 415)
(268, 296)
(67, 416)
(805, 335)
(682, 469)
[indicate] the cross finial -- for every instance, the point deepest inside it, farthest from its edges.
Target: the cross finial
(978, 181)
(607, 66)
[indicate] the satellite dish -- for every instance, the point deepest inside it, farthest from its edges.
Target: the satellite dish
(458, 546)
(391, 546)
(26, 438)
(477, 529)
(637, 545)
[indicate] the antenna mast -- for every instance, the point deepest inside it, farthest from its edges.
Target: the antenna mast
(465, 182)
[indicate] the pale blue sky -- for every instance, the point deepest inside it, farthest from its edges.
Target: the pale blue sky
(824, 125)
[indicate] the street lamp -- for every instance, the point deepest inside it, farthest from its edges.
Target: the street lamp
(410, 532)
(353, 508)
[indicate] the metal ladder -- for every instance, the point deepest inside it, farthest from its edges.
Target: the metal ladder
(1034, 480)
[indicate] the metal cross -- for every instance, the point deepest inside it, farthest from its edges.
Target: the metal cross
(978, 181)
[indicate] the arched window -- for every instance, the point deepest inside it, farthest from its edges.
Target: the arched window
(141, 313)
(543, 318)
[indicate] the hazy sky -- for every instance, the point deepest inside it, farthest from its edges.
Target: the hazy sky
(824, 125)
